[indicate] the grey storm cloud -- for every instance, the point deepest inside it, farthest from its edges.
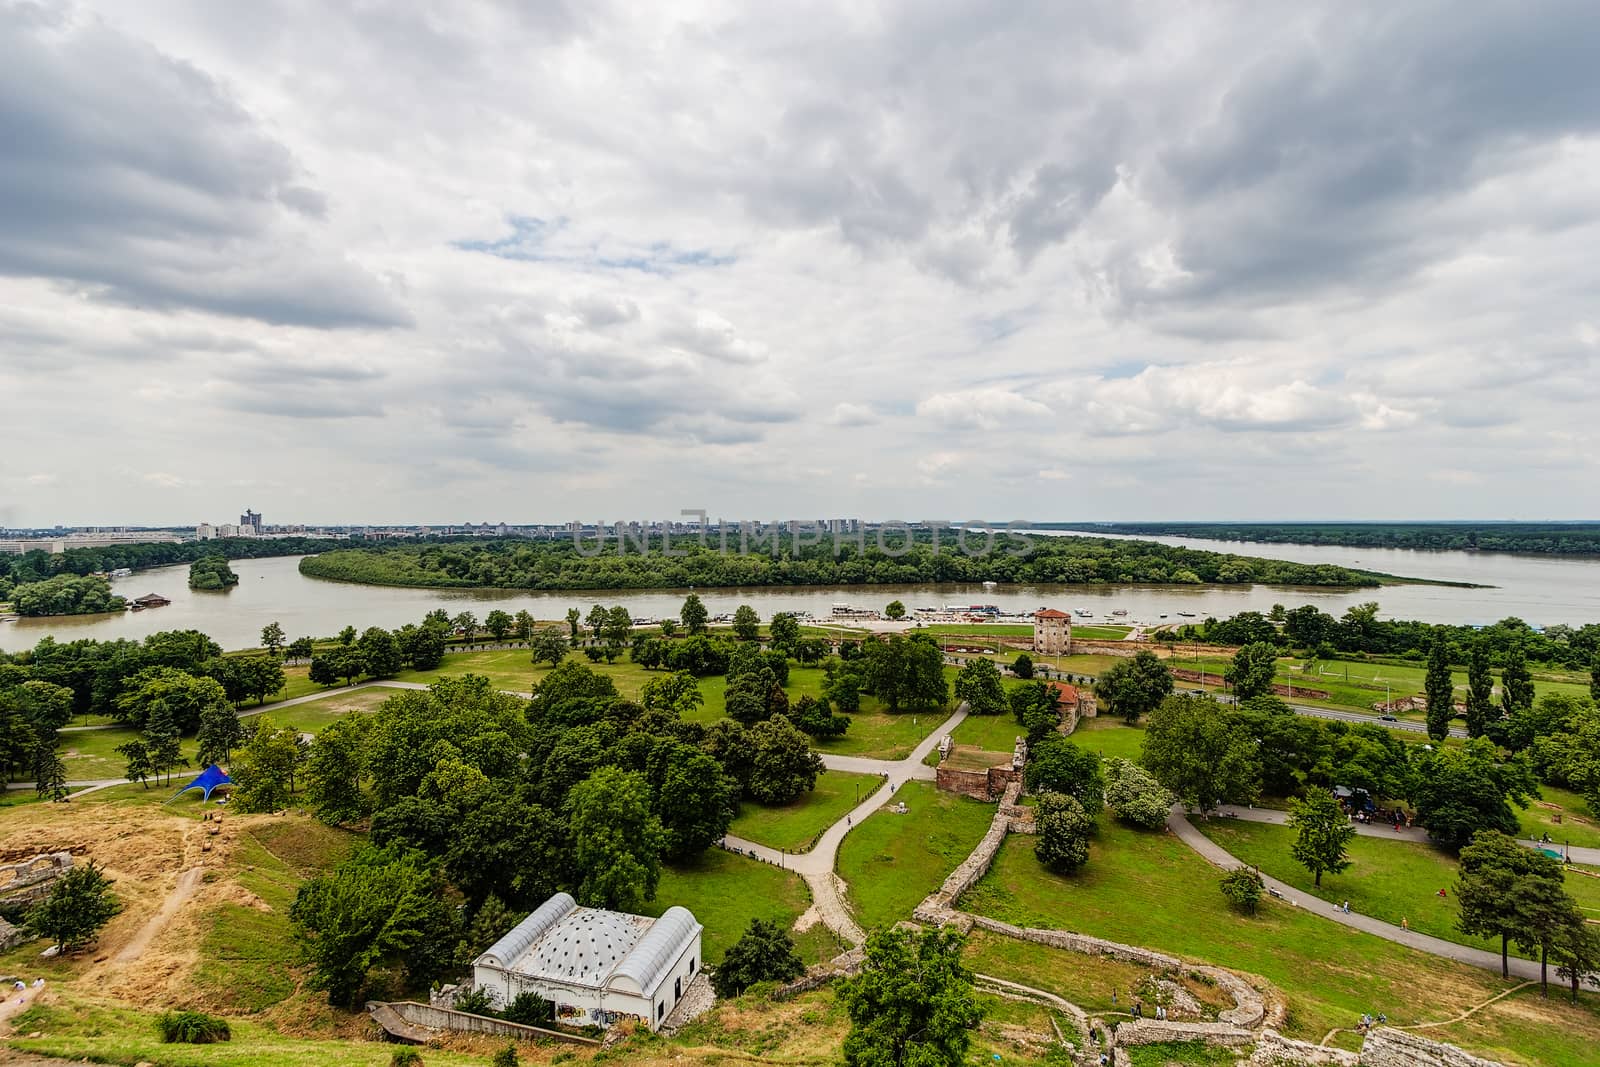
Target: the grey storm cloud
(138, 178)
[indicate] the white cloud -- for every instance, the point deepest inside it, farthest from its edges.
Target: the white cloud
(538, 260)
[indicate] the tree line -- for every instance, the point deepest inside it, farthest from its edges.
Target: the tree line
(1360, 631)
(522, 564)
(1559, 538)
(64, 594)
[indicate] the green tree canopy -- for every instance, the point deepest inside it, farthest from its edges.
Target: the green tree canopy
(763, 953)
(978, 683)
(1134, 687)
(1322, 834)
(1200, 755)
(616, 841)
(912, 1003)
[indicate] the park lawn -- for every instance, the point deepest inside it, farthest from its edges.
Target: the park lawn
(1387, 880)
(795, 827)
(725, 892)
(996, 733)
(1112, 738)
(1152, 890)
(881, 735)
(1519, 1029)
(1577, 825)
(891, 862)
(314, 715)
(1085, 980)
(91, 754)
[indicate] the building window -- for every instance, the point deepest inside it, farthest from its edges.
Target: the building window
(691, 964)
(677, 988)
(660, 1010)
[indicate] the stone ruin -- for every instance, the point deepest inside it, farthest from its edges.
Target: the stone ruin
(29, 880)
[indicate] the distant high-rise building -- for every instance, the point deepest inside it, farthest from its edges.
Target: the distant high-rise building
(251, 519)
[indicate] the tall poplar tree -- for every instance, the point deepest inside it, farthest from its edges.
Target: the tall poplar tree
(1440, 691)
(1480, 690)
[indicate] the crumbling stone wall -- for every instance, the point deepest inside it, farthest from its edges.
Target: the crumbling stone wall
(1155, 1032)
(1396, 1048)
(1275, 1050)
(974, 784)
(31, 879)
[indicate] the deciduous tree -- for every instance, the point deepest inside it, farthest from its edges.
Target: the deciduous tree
(1322, 834)
(77, 906)
(1064, 832)
(782, 763)
(549, 646)
(498, 623)
(1460, 791)
(978, 683)
(693, 614)
(763, 953)
(746, 623)
(1134, 687)
(616, 841)
(1250, 673)
(912, 1004)
(272, 637)
(1199, 755)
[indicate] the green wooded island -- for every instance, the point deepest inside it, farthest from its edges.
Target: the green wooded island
(564, 564)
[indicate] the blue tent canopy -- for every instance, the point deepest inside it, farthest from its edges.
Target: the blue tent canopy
(209, 780)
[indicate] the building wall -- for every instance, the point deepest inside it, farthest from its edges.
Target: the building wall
(585, 1006)
(1052, 637)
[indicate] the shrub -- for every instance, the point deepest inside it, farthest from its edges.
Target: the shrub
(529, 1009)
(192, 1028)
(506, 1057)
(405, 1057)
(474, 1001)
(1242, 886)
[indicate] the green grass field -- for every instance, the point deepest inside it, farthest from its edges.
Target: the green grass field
(1087, 981)
(892, 861)
(1564, 815)
(996, 733)
(795, 827)
(1112, 738)
(1387, 879)
(726, 891)
(92, 754)
(1151, 890)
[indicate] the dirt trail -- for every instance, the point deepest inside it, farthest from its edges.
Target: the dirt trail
(188, 882)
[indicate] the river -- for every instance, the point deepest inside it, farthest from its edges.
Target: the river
(1543, 591)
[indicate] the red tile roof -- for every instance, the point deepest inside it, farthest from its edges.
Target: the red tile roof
(1069, 694)
(1051, 613)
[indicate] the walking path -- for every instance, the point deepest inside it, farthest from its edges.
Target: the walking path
(816, 865)
(1220, 857)
(1406, 833)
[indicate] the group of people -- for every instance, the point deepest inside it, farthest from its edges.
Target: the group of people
(1368, 1022)
(1138, 1010)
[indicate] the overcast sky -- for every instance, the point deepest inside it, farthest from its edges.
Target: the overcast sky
(539, 261)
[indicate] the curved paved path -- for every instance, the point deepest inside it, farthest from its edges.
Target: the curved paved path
(816, 864)
(1179, 824)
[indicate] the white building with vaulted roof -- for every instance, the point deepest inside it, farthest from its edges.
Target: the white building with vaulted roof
(597, 967)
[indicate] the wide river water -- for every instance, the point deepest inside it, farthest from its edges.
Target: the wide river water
(1541, 590)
